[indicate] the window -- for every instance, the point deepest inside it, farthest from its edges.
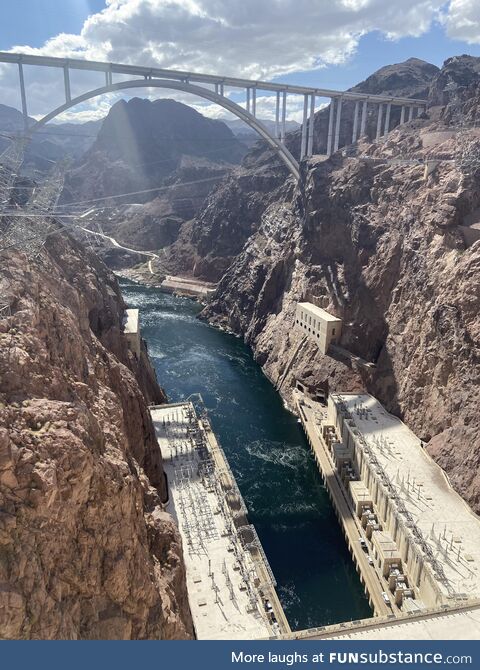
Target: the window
(333, 331)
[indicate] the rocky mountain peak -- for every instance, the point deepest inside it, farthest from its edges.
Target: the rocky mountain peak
(409, 79)
(141, 142)
(456, 76)
(149, 130)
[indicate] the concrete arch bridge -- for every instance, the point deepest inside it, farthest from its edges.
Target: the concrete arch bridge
(212, 88)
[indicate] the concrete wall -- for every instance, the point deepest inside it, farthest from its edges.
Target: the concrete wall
(131, 329)
(322, 329)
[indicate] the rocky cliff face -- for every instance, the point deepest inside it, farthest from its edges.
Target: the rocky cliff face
(158, 223)
(234, 208)
(53, 142)
(383, 246)
(206, 246)
(164, 153)
(86, 550)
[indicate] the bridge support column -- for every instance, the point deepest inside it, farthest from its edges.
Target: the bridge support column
(379, 120)
(254, 101)
(303, 148)
(284, 116)
(222, 89)
(337, 124)
(355, 123)
(330, 127)
(311, 126)
(66, 81)
(387, 119)
(248, 100)
(23, 96)
(108, 77)
(363, 124)
(402, 115)
(410, 113)
(277, 116)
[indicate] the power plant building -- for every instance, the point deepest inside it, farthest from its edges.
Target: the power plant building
(131, 330)
(423, 538)
(318, 324)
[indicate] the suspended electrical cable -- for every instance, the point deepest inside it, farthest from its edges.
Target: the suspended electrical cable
(148, 190)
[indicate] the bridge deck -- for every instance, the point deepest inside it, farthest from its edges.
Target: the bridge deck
(183, 75)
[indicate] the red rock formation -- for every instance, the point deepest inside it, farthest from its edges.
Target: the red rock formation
(86, 548)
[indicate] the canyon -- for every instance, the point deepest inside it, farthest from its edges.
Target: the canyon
(383, 235)
(383, 247)
(378, 243)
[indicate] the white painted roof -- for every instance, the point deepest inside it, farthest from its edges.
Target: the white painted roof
(447, 523)
(318, 311)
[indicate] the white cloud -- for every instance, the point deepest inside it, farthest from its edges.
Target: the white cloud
(462, 21)
(259, 39)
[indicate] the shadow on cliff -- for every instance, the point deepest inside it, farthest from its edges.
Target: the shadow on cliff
(344, 247)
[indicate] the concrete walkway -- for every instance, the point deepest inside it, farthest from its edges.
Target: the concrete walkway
(456, 623)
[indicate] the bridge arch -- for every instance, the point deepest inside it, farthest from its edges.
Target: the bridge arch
(283, 153)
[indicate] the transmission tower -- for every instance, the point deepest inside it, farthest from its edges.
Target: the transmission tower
(10, 161)
(28, 229)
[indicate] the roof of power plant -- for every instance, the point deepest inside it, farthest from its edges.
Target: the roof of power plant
(449, 530)
(318, 311)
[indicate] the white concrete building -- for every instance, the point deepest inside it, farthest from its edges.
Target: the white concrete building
(428, 539)
(318, 324)
(131, 328)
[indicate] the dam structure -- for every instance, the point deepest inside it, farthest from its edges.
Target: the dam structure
(231, 588)
(414, 540)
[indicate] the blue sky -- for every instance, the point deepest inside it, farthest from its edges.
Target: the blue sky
(33, 22)
(272, 39)
(375, 51)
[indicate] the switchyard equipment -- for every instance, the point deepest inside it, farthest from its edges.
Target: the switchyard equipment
(431, 533)
(228, 575)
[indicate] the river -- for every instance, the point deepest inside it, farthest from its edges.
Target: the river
(267, 451)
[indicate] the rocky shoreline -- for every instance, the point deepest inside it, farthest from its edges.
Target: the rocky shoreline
(187, 287)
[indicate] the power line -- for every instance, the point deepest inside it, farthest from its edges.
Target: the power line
(148, 190)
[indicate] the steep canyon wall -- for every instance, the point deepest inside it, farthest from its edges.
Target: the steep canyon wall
(86, 550)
